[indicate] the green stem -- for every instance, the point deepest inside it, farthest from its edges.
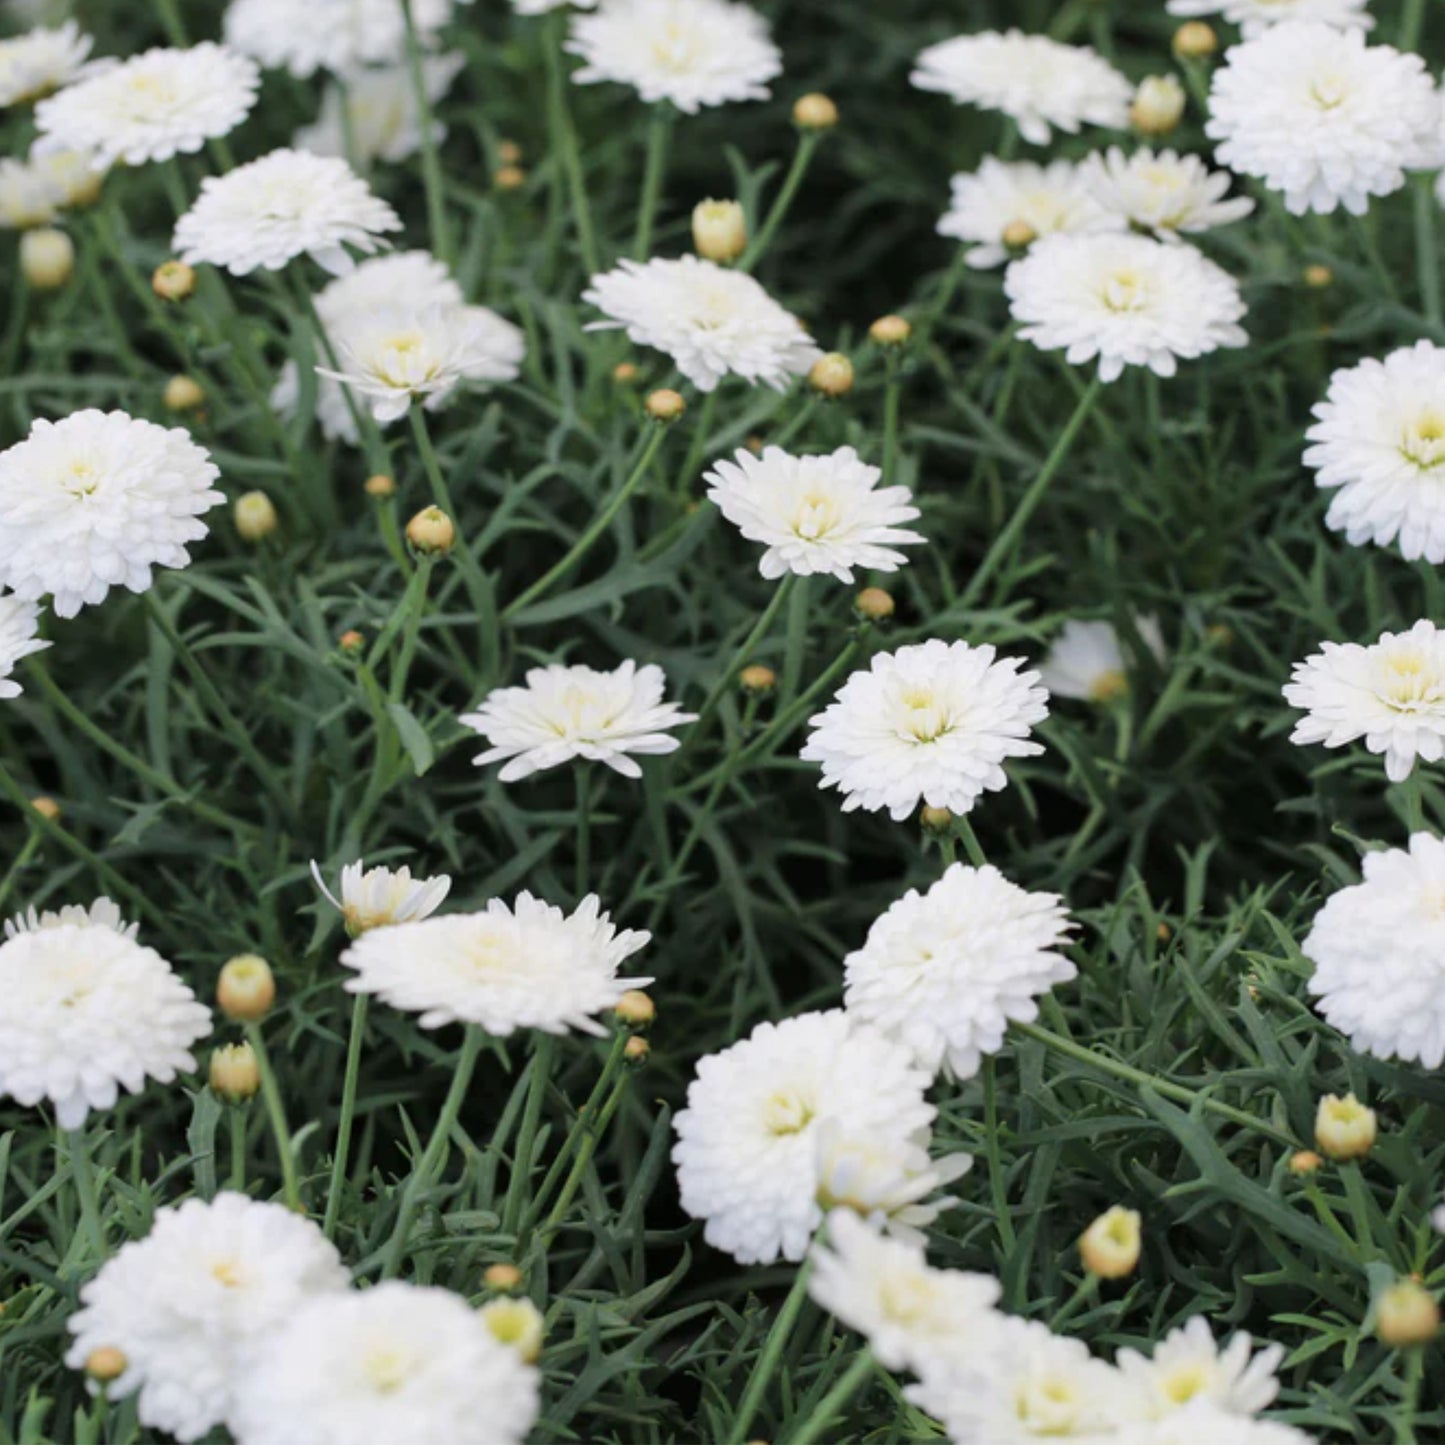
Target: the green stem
(542, 1051)
(834, 1402)
(20, 863)
(584, 828)
(276, 1114)
(997, 1186)
(1412, 24)
(659, 134)
(892, 392)
(969, 838)
(808, 142)
(84, 1176)
(767, 1362)
(564, 139)
(1412, 800)
(238, 1148)
(1427, 260)
(430, 160)
(1084, 1291)
(348, 1112)
(799, 615)
(1410, 1397)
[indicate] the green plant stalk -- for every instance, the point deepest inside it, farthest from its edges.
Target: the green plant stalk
(1084, 1291)
(238, 1147)
(276, 1115)
(348, 1112)
(1410, 1397)
(542, 1052)
(659, 135)
(431, 170)
(1412, 802)
(1412, 24)
(83, 1175)
(772, 1351)
(808, 142)
(795, 649)
(997, 1189)
(1427, 259)
(584, 829)
(563, 136)
(18, 865)
(892, 395)
(969, 838)
(836, 1400)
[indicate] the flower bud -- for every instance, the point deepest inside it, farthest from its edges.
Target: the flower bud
(1194, 40)
(1158, 105)
(1163, 932)
(890, 331)
(106, 1364)
(183, 393)
(636, 1009)
(1218, 634)
(815, 112)
(509, 153)
(832, 375)
(1318, 278)
(380, 486)
(173, 281)
(1407, 1315)
(1344, 1128)
(431, 531)
(719, 230)
(664, 405)
(48, 808)
(503, 1278)
(351, 641)
(1110, 1246)
(254, 514)
(235, 1075)
(636, 1050)
(757, 679)
(47, 258)
(1018, 234)
(625, 373)
(246, 989)
(935, 820)
(509, 178)
(515, 1322)
(875, 604)
(1305, 1162)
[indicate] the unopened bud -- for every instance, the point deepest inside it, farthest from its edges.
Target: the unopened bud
(47, 258)
(1318, 277)
(254, 514)
(380, 486)
(1194, 40)
(1163, 932)
(875, 604)
(431, 531)
(1407, 1315)
(173, 281)
(815, 111)
(664, 405)
(1110, 1246)
(1344, 1128)
(1158, 105)
(183, 393)
(719, 230)
(47, 807)
(636, 1050)
(515, 1322)
(235, 1075)
(503, 1278)
(625, 373)
(246, 989)
(832, 375)
(1217, 634)
(1304, 1162)
(935, 820)
(757, 678)
(509, 178)
(351, 641)
(636, 1009)
(1018, 234)
(890, 331)
(106, 1364)
(509, 153)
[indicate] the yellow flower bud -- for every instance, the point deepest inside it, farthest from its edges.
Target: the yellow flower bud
(1318, 277)
(106, 1364)
(509, 153)
(1158, 105)
(1407, 1314)
(509, 178)
(815, 112)
(625, 373)
(935, 820)
(757, 679)
(380, 486)
(875, 604)
(246, 989)
(1304, 1162)
(351, 641)
(235, 1075)
(636, 1009)
(46, 807)
(1194, 40)
(503, 1278)
(636, 1050)
(515, 1322)
(719, 230)
(1110, 1246)
(183, 393)
(431, 531)
(173, 281)
(664, 405)
(1344, 1128)
(890, 331)
(832, 375)
(1018, 234)
(254, 514)
(47, 258)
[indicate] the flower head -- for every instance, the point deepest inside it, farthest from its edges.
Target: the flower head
(1376, 949)
(528, 967)
(190, 1303)
(1391, 694)
(944, 972)
(1127, 300)
(398, 1362)
(1188, 1365)
(747, 1150)
(713, 322)
(1086, 660)
(374, 897)
(1163, 193)
(103, 913)
(96, 501)
(931, 723)
(286, 204)
(814, 514)
(378, 109)
(19, 622)
(1318, 115)
(34, 64)
(1256, 16)
(342, 36)
(1041, 84)
(563, 713)
(693, 53)
(156, 105)
(1204, 1423)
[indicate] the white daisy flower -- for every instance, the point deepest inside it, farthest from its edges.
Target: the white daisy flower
(19, 623)
(712, 321)
(1376, 948)
(561, 713)
(814, 514)
(34, 64)
(1041, 84)
(1188, 1365)
(693, 53)
(747, 1150)
(1391, 694)
(103, 913)
(1379, 436)
(337, 35)
(1164, 194)
(885, 1289)
(532, 967)
(190, 1303)
(379, 108)
(1127, 300)
(1086, 660)
(286, 204)
(1005, 205)
(931, 723)
(404, 354)
(1256, 16)
(85, 1011)
(154, 106)
(945, 971)
(397, 1362)
(97, 501)
(374, 897)
(1321, 117)
(28, 198)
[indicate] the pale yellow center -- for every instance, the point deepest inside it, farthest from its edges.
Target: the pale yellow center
(1109, 686)
(1424, 440)
(1125, 291)
(787, 1112)
(386, 1370)
(1184, 1382)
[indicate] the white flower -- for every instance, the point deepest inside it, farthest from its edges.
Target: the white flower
(1379, 436)
(399, 1363)
(404, 354)
(374, 897)
(1203, 1423)
(85, 1010)
(1007, 203)
(336, 35)
(1321, 117)
(884, 1177)
(1128, 300)
(34, 64)
(886, 1290)
(96, 501)
(931, 723)
(746, 1150)
(1086, 660)
(563, 713)
(1187, 1365)
(381, 110)
(189, 1304)
(1039, 82)
(1391, 694)
(103, 913)
(712, 321)
(1256, 16)
(944, 972)
(1377, 949)
(814, 514)
(156, 105)
(287, 203)
(1165, 194)
(534, 967)
(27, 196)
(541, 7)
(19, 622)
(693, 53)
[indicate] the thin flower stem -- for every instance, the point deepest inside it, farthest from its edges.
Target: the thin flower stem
(659, 134)
(276, 1115)
(1409, 1397)
(772, 1351)
(584, 828)
(969, 838)
(1412, 24)
(1427, 256)
(997, 1186)
(834, 1402)
(892, 393)
(799, 615)
(1084, 1291)
(808, 142)
(564, 140)
(238, 1147)
(431, 170)
(1412, 802)
(20, 863)
(348, 1112)
(542, 1052)
(83, 1175)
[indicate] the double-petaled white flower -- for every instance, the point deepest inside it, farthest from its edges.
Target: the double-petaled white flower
(1164, 193)
(1187, 1365)
(19, 624)
(1256, 16)
(375, 897)
(376, 112)
(42, 60)
(342, 36)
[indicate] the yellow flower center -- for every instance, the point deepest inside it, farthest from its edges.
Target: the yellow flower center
(1424, 440)
(386, 1370)
(1329, 92)
(787, 1112)
(1125, 291)
(1184, 1382)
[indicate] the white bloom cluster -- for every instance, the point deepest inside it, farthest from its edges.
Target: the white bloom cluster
(34, 64)
(342, 36)
(34, 190)
(373, 897)
(19, 623)
(1165, 194)
(1086, 660)
(1256, 16)
(377, 109)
